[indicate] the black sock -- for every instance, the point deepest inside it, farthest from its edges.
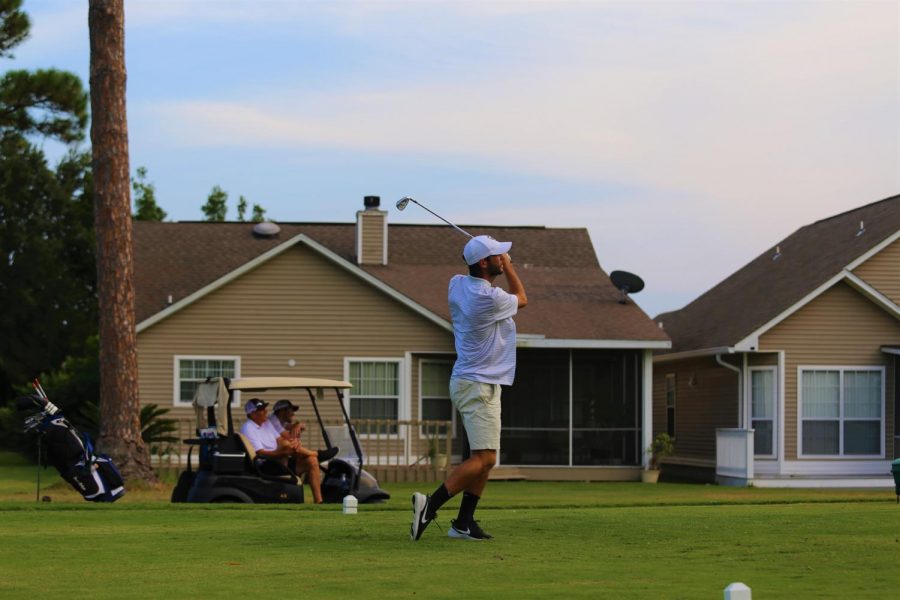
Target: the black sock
(467, 508)
(437, 500)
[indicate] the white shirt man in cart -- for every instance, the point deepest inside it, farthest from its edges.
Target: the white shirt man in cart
(269, 443)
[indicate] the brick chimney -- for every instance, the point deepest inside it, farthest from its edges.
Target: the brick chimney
(371, 233)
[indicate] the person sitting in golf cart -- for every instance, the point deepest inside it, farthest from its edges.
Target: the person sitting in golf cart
(269, 443)
(282, 420)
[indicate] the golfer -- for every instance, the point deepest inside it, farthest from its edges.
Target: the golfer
(485, 336)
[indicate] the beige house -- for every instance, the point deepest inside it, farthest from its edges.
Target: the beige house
(795, 356)
(366, 302)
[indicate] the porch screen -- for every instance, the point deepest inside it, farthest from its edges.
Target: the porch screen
(605, 408)
(592, 422)
(841, 412)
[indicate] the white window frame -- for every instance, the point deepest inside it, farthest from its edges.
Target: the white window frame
(402, 402)
(176, 375)
(841, 369)
(449, 363)
(775, 409)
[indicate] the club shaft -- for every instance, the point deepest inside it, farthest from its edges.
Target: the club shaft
(459, 229)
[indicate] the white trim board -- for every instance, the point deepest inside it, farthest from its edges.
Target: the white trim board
(527, 341)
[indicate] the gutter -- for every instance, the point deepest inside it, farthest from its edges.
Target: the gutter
(660, 358)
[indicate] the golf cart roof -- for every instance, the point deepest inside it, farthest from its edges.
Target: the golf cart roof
(260, 384)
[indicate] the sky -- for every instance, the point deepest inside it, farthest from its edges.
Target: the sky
(687, 137)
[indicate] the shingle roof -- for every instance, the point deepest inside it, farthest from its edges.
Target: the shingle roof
(765, 288)
(570, 296)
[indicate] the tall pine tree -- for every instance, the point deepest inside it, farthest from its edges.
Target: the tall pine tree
(120, 429)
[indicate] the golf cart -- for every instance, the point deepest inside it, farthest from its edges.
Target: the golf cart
(230, 471)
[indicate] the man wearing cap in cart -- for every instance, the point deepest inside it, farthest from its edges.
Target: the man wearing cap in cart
(279, 446)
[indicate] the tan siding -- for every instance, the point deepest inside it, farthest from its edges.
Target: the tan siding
(882, 272)
(298, 305)
(706, 399)
(371, 226)
(840, 328)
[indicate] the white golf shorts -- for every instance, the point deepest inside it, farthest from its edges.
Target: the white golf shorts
(479, 406)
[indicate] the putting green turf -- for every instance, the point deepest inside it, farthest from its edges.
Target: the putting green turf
(557, 540)
(837, 550)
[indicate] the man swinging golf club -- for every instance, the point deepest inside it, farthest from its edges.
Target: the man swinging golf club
(485, 337)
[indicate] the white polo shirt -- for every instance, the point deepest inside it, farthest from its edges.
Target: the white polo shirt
(261, 437)
(483, 329)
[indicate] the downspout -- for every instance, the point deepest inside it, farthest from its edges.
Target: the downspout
(740, 387)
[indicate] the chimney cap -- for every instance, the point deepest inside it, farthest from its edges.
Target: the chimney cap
(371, 202)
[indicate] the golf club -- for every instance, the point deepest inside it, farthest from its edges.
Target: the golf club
(402, 202)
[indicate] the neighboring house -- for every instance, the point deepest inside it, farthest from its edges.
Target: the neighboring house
(801, 345)
(367, 303)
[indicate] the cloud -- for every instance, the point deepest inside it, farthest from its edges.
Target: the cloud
(729, 124)
(774, 105)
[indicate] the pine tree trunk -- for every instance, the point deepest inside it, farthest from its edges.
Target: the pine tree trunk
(120, 429)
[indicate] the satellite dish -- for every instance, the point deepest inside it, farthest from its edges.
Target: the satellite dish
(627, 283)
(266, 229)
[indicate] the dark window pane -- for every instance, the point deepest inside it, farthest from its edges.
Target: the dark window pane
(605, 447)
(862, 437)
(188, 389)
(670, 422)
(374, 408)
(532, 447)
(605, 389)
(820, 437)
(540, 395)
(437, 409)
(762, 438)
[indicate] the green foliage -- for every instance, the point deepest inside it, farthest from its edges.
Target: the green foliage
(156, 430)
(47, 270)
(146, 208)
(660, 448)
(74, 387)
(14, 26)
(216, 206)
(259, 214)
(46, 102)
(242, 209)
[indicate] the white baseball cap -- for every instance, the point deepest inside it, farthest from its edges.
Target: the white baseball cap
(482, 246)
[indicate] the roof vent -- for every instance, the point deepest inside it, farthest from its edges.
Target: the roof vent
(372, 202)
(777, 254)
(862, 229)
(266, 229)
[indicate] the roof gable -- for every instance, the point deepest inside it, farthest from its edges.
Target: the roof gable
(570, 296)
(784, 278)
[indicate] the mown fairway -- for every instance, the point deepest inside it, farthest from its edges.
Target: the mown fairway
(552, 540)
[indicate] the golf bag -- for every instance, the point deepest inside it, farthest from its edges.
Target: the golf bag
(93, 475)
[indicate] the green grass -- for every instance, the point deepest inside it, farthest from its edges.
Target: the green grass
(553, 540)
